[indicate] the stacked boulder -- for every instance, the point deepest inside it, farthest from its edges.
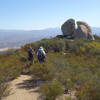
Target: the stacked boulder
(68, 28)
(83, 29)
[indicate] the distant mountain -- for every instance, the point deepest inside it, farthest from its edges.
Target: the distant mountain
(17, 38)
(96, 30)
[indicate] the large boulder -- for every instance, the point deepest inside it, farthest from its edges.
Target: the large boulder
(83, 31)
(68, 28)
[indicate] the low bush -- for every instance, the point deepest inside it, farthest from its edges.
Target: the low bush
(42, 71)
(52, 90)
(4, 88)
(89, 91)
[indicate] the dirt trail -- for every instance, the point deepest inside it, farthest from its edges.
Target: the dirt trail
(23, 89)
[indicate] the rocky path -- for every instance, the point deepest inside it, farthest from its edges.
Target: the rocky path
(23, 88)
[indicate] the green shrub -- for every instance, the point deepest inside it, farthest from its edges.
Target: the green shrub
(55, 45)
(52, 90)
(4, 90)
(4, 86)
(91, 87)
(75, 45)
(42, 71)
(90, 91)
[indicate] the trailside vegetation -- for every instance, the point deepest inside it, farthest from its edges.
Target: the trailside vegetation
(71, 65)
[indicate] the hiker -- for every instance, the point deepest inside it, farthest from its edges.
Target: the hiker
(41, 54)
(30, 54)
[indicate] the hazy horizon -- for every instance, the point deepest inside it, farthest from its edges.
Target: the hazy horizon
(35, 29)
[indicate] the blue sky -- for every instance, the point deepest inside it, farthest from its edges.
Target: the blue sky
(40, 14)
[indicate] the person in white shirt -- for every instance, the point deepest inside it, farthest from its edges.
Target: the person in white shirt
(41, 54)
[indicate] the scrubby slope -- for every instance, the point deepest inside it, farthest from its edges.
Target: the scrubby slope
(71, 65)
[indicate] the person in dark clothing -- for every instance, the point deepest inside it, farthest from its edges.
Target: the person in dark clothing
(30, 54)
(30, 59)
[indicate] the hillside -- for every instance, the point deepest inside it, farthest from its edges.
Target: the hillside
(71, 65)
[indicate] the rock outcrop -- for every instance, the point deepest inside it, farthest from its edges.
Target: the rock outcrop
(68, 28)
(83, 31)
